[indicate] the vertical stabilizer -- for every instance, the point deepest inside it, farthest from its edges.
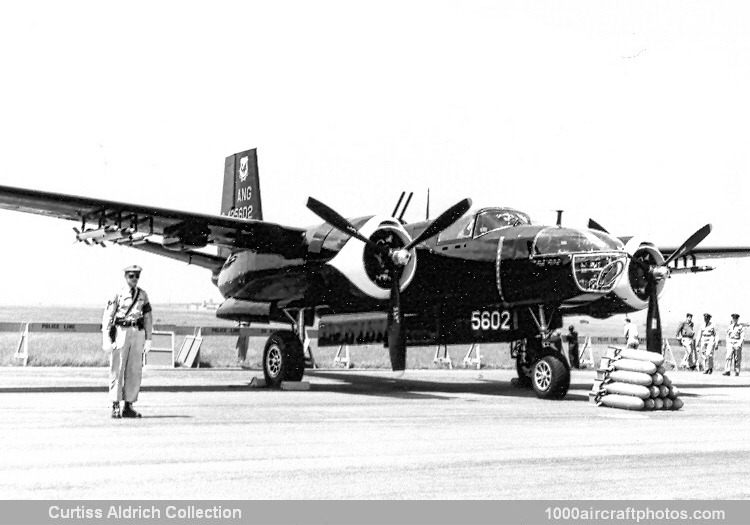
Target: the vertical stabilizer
(241, 195)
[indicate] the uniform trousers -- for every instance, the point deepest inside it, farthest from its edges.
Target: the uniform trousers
(707, 353)
(690, 359)
(734, 356)
(126, 364)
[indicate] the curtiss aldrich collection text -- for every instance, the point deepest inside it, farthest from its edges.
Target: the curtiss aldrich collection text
(145, 512)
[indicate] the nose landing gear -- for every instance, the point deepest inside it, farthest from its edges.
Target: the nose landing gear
(540, 363)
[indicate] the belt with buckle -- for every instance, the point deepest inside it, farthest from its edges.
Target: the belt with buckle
(126, 323)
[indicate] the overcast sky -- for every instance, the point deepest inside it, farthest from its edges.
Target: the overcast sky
(634, 113)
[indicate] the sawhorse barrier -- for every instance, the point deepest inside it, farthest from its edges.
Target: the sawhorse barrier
(470, 360)
(344, 360)
(444, 359)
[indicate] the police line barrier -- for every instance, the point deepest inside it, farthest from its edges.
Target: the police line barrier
(162, 352)
(91, 328)
(207, 331)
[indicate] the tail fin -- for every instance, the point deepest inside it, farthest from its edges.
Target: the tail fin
(241, 195)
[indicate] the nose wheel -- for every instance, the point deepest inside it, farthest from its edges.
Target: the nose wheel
(543, 369)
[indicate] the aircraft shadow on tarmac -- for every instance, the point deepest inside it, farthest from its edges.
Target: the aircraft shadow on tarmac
(353, 383)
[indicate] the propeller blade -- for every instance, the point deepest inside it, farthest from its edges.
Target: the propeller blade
(340, 223)
(653, 319)
(447, 218)
(396, 335)
(593, 225)
(687, 246)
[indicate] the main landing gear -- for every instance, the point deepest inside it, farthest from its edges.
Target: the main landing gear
(284, 353)
(540, 363)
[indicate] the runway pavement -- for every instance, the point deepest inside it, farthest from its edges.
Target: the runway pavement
(440, 434)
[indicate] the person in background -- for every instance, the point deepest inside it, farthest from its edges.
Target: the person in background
(707, 344)
(630, 331)
(128, 318)
(572, 339)
(686, 335)
(735, 338)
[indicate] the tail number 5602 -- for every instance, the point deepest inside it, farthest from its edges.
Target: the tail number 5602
(490, 320)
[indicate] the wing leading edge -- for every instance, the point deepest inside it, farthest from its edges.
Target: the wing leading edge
(133, 224)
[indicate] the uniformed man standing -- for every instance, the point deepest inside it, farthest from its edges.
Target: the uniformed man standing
(630, 332)
(127, 327)
(735, 338)
(572, 338)
(707, 343)
(686, 335)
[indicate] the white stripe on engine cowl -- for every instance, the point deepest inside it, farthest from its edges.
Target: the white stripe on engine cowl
(350, 262)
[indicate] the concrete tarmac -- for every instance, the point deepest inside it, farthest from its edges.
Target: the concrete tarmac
(432, 434)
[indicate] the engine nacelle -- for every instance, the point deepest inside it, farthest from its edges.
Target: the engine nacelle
(366, 268)
(185, 236)
(631, 288)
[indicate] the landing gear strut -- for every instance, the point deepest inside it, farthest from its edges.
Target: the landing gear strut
(540, 363)
(284, 353)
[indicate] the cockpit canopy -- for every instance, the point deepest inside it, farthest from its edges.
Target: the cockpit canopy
(476, 224)
(553, 241)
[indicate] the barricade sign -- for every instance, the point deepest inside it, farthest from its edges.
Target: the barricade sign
(162, 350)
(22, 350)
(189, 354)
(584, 360)
(445, 359)
(469, 360)
(345, 360)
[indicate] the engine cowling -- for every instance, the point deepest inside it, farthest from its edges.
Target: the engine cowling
(631, 288)
(365, 267)
(185, 236)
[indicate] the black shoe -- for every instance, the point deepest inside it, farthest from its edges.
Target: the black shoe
(129, 412)
(726, 373)
(710, 371)
(116, 411)
(736, 373)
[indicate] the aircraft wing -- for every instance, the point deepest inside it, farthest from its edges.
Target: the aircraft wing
(711, 252)
(132, 224)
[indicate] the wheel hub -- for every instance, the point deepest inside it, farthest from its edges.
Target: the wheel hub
(542, 375)
(273, 361)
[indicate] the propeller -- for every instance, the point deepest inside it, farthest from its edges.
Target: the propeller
(396, 260)
(655, 273)
(593, 225)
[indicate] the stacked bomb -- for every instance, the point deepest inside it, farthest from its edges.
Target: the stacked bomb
(636, 380)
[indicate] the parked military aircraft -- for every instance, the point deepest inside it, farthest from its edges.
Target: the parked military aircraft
(487, 275)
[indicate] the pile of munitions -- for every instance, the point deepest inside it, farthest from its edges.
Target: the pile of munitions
(635, 380)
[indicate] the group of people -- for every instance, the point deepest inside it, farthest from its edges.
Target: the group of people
(699, 352)
(700, 345)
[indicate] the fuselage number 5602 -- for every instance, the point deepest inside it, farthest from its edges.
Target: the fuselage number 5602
(490, 320)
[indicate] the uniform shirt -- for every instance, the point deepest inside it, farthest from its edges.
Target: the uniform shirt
(736, 332)
(686, 329)
(118, 305)
(708, 331)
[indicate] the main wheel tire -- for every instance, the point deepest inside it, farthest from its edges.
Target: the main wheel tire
(550, 377)
(283, 359)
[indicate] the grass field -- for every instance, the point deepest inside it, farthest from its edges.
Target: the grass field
(74, 349)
